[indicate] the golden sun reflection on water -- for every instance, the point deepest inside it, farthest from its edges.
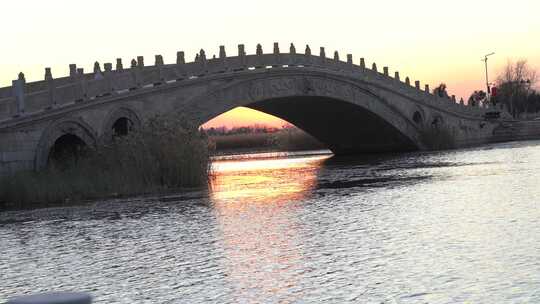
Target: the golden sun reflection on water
(272, 181)
(254, 203)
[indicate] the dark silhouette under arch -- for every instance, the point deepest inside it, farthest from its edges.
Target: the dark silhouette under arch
(343, 127)
(122, 127)
(67, 149)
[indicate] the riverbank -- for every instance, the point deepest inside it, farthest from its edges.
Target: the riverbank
(165, 154)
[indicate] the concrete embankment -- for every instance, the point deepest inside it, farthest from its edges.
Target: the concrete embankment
(516, 130)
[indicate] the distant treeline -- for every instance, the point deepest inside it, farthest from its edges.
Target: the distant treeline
(260, 138)
(254, 129)
(516, 88)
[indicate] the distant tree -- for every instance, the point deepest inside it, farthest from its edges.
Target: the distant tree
(441, 90)
(514, 87)
(533, 102)
(476, 98)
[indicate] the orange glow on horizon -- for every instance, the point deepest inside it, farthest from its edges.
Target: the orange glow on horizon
(428, 41)
(243, 117)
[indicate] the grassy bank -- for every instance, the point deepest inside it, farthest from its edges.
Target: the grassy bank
(167, 153)
(286, 139)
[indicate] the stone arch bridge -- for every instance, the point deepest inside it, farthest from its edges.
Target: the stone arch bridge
(348, 106)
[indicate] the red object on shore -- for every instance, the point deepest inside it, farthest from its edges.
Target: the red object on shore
(494, 92)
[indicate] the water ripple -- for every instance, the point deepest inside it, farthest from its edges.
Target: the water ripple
(442, 227)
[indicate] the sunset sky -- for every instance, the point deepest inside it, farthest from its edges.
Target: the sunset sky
(428, 40)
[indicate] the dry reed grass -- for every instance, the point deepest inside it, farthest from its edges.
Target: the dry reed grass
(166, 154)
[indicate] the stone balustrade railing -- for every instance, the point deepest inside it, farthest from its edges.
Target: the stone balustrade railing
(23, 98)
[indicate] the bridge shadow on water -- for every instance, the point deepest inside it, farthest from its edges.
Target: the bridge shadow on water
(299, 177)
(365, 171)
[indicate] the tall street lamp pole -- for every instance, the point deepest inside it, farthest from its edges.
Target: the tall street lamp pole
(485, 60)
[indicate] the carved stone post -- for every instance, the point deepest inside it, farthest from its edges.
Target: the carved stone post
(417, 84)
(159, 60)
(180, 57)
(259, 50)
(135, 71)
(222, 68)
(140, 61)
(407, 81)
(322, 53)
(427, 88)
(48, 74)
(82, 91)
(309, 59)
(276, 48)
(396, 76)
(109, 87)
(292, 49)
(349, 59)
(362, 63)
(461, 101)
(18, 87)
(222, 54)
(203, 62)
(202, 56)
(242, 55)
(138, 71)
(98, 75)
(72, 70)
(97, 71)
(241, 50)
(292, 60)
(50, 88)
(385, 71)
(180, 62)
(159, 65)
(119, 65)
(374, 67)
(336, 56)
(276, 55)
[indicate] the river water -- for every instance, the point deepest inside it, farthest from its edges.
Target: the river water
(438, 227)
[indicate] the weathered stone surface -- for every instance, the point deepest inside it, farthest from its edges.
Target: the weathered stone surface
(350, 108)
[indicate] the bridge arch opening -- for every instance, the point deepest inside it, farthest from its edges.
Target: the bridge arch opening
(247, 129)
(349, 116)
(343, 127)
(120, 122)
(122, 127)
(418, 118)
(64, 142)
(66, 150)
